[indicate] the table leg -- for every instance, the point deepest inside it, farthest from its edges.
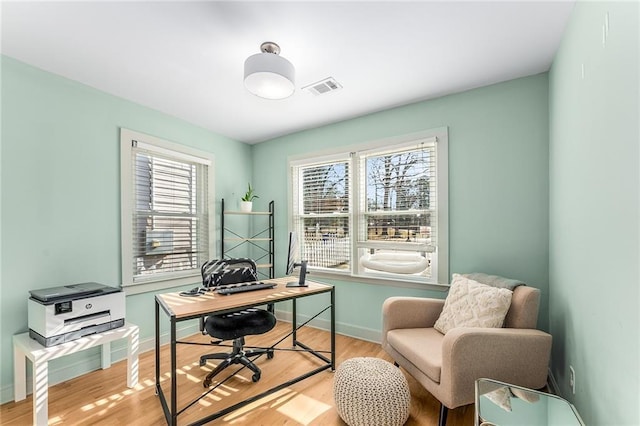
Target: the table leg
(333, 329)
(132, 358)
(40, 392)
(174, 375)
(106, 355)
(294, 322)
(157, 344)
(19, 374)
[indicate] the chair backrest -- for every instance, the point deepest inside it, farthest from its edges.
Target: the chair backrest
(228, 271)
(523, 312)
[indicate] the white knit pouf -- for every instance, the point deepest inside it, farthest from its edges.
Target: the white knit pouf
(371, 391)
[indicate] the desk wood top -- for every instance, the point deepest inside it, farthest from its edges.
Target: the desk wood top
(212, 302)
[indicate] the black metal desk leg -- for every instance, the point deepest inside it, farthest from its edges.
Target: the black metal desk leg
(294, 319)
(174, 384)
(333, 329)
(157, 345)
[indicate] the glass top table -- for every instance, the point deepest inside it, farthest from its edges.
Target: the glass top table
(503, 404)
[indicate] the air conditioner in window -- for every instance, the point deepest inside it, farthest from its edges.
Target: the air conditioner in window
(159, 242)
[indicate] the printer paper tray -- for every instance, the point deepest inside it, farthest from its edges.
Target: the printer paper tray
(74, 335)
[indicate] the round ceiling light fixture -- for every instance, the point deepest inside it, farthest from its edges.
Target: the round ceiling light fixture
(269, 75)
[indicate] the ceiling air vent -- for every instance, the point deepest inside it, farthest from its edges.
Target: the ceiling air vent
(321, 87)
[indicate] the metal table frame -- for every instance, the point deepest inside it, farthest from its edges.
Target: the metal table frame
(170, 408)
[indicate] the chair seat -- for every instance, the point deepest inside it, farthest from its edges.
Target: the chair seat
(237, 324)
(421, 346)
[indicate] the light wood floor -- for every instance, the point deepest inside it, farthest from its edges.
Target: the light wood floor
(102, 398)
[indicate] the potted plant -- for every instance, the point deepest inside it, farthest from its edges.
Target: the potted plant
(247, 201)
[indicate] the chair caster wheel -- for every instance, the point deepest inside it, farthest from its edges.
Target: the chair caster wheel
(269, 354)
(255, 377)
(207, 382)
(203, 362)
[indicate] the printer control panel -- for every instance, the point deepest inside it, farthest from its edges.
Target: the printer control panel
(63, 307)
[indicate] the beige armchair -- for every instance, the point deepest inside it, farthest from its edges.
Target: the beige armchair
(448, 365)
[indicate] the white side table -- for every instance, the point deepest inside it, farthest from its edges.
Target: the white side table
(25, 347)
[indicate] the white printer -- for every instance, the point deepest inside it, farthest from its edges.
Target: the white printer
(61, 314)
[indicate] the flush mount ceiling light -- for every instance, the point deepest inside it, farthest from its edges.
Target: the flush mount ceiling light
(269, 75)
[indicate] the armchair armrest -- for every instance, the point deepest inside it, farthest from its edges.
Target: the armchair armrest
(410, 312)
(513, 355)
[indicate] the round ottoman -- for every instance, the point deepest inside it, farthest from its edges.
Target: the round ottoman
(371, 391)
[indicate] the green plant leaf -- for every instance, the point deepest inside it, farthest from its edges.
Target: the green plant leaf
(249, 195)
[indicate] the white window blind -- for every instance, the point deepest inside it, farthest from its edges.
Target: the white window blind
(166, 213)
(399, 197)
(322, 213)
(392, 226)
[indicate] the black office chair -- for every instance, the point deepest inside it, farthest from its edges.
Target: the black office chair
(234, 325)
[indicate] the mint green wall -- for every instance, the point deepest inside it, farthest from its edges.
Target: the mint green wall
(61, 190)
(498, 186)
(510, 194)
(594, 213)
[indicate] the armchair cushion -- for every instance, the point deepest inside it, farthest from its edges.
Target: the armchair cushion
(471, 304)
(420, 346)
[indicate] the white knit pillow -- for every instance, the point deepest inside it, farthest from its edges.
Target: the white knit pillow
(471, 304)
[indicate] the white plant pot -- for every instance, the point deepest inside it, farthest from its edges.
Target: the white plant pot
(246, 206)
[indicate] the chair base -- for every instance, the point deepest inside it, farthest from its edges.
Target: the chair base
(237, 356)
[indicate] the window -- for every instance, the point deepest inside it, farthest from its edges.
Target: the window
(377, 211)
(166, 212)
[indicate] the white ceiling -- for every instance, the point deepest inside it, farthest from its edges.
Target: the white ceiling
(186, 58)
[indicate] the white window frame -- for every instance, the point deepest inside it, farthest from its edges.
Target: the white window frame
(131, 284)
(440, 268)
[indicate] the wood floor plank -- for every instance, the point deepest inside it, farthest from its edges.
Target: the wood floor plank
(102, 398)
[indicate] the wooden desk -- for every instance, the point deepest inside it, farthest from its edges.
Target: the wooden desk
(25, 347)
(179, 308)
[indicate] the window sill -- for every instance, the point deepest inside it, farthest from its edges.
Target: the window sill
(155, 286)
(387, 282)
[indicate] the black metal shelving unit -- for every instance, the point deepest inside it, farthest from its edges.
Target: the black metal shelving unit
(257, 243)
